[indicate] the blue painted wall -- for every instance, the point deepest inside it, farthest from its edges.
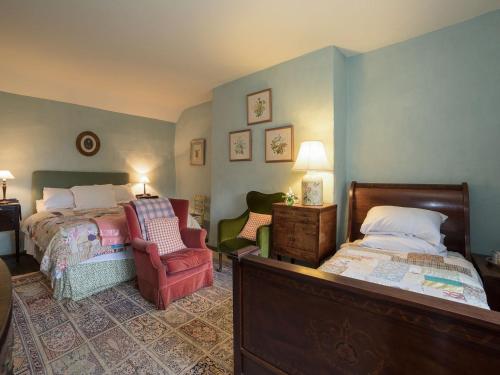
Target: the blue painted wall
(194, 122)
(302, 91)
(40, 134)
(341, 180)
(428, 110)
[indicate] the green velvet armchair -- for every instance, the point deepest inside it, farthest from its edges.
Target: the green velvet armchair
(228, 229)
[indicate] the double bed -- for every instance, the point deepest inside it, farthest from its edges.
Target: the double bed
(296, 320)
(66, 242)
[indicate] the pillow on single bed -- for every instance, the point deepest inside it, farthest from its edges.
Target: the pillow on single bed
(123, 193)
(413, 222)
(57, 198)
(402, 243)
(93, 196)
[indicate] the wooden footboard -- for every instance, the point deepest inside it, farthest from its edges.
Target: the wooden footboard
(290, 319)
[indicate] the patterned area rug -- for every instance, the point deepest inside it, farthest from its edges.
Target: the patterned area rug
(118, 332)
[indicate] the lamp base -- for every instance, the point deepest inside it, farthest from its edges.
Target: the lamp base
(312, 190)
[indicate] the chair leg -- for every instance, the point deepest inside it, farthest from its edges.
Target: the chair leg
(220, 263)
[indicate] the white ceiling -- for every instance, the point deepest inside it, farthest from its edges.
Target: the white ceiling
(155, 58)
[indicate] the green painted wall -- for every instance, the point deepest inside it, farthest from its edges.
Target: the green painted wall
(428, 111)
(341, 181)
(40, 134)
(194, 122)
(302, 96)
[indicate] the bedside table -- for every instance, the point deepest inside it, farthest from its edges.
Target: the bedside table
(307, 233)
(147, 196)
(10, 216)
(491, 280)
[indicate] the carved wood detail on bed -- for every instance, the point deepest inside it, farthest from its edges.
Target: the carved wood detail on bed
(300, 321)
(290, 319)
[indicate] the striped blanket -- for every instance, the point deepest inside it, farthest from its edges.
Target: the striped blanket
(148, 209)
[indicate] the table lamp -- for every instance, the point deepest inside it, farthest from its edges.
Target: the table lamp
(144, 180)
(312, 159)
(5, 175)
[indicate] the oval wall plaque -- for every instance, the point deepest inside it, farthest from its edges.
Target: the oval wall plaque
(88, 143)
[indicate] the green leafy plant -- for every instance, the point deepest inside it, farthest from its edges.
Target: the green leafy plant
(290, 197)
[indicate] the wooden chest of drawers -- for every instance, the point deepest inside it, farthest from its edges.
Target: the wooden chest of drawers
(307, 233)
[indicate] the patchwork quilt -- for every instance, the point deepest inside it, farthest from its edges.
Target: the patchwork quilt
(68, 237)
(451, 277)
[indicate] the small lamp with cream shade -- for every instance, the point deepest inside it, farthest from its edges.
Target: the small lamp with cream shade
(4, 176)
(312, 159)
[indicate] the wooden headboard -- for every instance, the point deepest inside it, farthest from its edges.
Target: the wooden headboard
(451, 200)
(67, 179)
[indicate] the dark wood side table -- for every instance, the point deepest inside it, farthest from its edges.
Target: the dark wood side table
(491, 280)
(306, 233)
(10, 216)
(147, 196)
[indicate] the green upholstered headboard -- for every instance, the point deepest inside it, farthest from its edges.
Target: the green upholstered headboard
(65, 179)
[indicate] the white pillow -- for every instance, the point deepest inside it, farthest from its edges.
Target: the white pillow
(402, 243)
(416, 222)
(40, 205)
(56, 198)
(94, 196)
(123, 193)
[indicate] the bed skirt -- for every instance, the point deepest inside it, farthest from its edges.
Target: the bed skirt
(84, 279)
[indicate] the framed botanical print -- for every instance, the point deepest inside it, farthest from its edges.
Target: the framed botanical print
(240, 145)
(279, 144)
(259, 107)
(197, 153)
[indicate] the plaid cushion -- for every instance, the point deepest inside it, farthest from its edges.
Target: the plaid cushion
(148, 209)
(255, 221)
(164, 232)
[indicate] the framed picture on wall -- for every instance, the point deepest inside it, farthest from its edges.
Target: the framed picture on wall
(197, 153)
(88, 143)
(259, 107)
(240, 145)
(279, 144)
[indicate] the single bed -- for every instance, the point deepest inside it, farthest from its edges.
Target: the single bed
(297, 320)
(71, 238)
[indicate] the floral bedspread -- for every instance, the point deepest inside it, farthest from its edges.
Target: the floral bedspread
(67, 237)
(451, 277)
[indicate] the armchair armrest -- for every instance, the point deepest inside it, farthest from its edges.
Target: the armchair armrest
(150, 249)
(194, 238)
(264, 240)
(230, 228)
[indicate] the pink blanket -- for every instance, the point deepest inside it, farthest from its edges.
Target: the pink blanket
(113, 229)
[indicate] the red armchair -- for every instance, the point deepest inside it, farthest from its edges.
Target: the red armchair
(163, 279)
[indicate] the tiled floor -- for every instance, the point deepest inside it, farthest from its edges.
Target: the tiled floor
(118, 332)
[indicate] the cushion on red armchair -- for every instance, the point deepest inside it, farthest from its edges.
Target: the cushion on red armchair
(164, 232)
(186, 259)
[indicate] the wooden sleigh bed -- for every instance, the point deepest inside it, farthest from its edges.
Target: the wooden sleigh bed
(290, 319)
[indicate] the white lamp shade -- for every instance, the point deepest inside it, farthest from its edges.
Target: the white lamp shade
(312, 157)
(6, 175)
(144, 179)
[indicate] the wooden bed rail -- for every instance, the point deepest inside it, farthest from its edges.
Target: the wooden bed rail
(290, 319)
